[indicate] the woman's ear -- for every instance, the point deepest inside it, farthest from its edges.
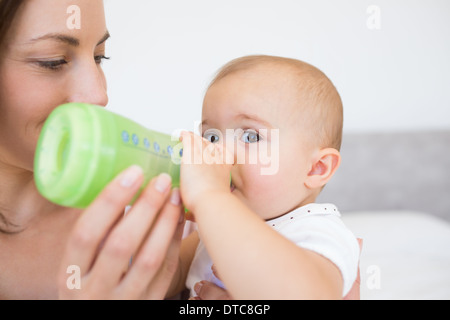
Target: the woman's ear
(323, 168)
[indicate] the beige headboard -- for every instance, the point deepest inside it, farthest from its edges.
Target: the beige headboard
(398, 171)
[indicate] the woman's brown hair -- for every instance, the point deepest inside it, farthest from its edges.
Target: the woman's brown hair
(8, 10)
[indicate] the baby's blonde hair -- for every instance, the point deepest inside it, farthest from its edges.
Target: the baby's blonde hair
(319, 97)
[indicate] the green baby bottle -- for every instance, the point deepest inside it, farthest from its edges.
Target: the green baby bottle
(84, 147)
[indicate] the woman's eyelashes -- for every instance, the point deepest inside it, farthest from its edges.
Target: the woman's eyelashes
(56, 65)
(53, 65)
(99, 59)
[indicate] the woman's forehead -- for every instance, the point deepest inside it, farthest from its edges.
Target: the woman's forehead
(40, 18)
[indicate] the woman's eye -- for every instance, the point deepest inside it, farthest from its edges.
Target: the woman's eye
(52, 64)
(58, 64)
(250, 136)
(212, 137)
(100, 58)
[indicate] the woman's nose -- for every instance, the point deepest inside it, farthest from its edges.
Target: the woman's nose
(88, 85)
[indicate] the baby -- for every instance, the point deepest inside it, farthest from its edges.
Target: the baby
(265, 234)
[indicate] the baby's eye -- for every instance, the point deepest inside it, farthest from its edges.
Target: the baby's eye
(212, 136)
(250, 136)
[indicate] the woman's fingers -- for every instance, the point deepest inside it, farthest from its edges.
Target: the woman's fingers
(153, 266)
(160, 285)
(127, 237)
(103, 241)
(208, 291)
(95, 223)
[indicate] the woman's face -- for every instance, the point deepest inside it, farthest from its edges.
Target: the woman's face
(52, 55)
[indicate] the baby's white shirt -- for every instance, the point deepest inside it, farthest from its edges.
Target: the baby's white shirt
(315, 227)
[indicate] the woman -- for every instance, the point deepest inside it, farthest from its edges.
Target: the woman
(44, 62)
(49, 57)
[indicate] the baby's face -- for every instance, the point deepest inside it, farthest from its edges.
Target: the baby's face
(260, 110)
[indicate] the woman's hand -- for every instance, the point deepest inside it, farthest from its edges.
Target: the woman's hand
(103, 241)
(209, 291)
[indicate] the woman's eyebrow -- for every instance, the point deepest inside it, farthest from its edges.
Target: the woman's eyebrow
(72, 41)
(104, 38)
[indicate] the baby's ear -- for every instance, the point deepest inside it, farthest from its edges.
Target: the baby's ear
(324, 165)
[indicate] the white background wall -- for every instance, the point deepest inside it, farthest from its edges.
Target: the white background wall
(165, 52)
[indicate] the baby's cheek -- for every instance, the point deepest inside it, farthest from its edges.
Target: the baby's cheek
(263, 193)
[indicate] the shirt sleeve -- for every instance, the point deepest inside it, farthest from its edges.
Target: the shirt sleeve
(327, 235)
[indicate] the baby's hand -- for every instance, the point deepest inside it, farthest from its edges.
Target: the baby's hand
(205, 169)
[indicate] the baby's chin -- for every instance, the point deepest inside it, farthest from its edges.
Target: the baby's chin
(257, 208)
